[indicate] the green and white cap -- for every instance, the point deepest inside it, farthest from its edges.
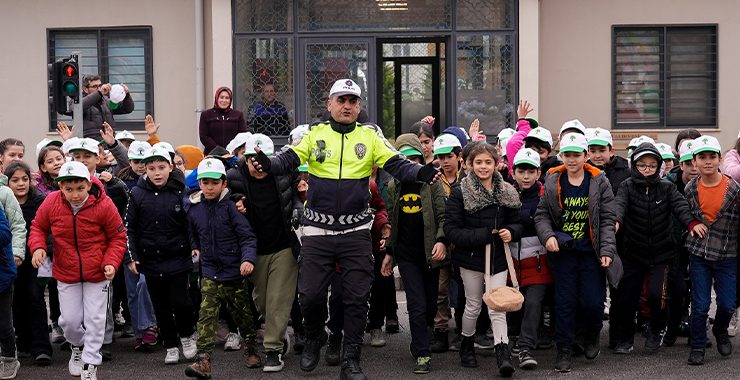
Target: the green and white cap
(705, 144)
(46, 142)
(73, 170)
(527, 156)
(574, 124)
(166, 146)
(259, 140)
(83, 144)
(573, 142)
(297, 134)
(445, 143)
(408, 151)
(157, 153)
(541, 134)
(665, 151)
(599, 136)
(238, 141)
(138, 149)
(125, 135)
(684, 151)
(504, 136)
(211, 168)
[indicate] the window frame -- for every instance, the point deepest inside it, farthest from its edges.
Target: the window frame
(664, 124)
(143, 31)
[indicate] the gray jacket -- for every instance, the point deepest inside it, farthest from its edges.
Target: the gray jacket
(95, 111)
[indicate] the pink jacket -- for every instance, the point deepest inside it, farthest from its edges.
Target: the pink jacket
(731, 164)
(516, 142)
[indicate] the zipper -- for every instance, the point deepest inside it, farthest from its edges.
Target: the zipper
(77, 246)
(339, 181)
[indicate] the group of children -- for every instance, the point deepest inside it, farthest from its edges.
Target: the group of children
(185, 244)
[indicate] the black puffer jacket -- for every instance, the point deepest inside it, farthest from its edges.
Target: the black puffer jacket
(157, 228)
(644, 208)
(617, 170)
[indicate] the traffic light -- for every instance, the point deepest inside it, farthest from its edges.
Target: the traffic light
(64, 84)
(71, 79)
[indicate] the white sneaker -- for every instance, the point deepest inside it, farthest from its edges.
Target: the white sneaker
(89, 372)
(732, 329)
(189, 347)
(75, 362)
(173, 356)
(233, 342)
(376, 338)
(9, 367)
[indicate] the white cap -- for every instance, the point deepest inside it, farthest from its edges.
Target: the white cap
(297, 134)
(117, 93)
(125, 135)
(527, 156)
(86, 144)
(705, 144)
(46, 142)
(345, 87)
(575, 124)
(599, 136)
(445, 143)
(73, 170)
(504, 136)
(573, 142)
(157, 152)
(166, 146)
(259, 140)
(211, 168)
(541, 134)
(665, 151)
(138, 149)
(238, 141)
(684, 151)
(633, 143)
(643, 139)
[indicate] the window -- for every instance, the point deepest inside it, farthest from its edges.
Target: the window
(665, 77)
(118, 55)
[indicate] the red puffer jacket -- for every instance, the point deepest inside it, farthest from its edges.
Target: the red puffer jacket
(83, 243)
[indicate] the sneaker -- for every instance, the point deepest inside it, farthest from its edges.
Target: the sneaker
(233, 342)
(150, 336)
(299, 341)
(439, 342)
(9, 367)
(455, 343)
(423, 365)
(724, 345)
(89, 372)
(57, 334)
(514, 346)
(127, 331)
(40, 359)
(376, 338)
(564, 360)
(201, 368)
(623, 348)
(251, 357)
(106, 353)
(173, 356)
(696, 357)
(273, 362)
(732, 329)
(526, 360)
(483, 342)
(189, 347)
(653, 342)
(139, 345)
(75, 362)
(391, 326)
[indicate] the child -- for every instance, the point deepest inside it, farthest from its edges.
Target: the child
(482, 210)
(645, 203)
(158, 248)
(11, 150)
(9, 363)
(50, 160)
(713, 199)
(575, 221)
(530, 257)
(418, 244)
(89, 243)
(136, 168)
(223, 241)
(601, 155)
(29, 306)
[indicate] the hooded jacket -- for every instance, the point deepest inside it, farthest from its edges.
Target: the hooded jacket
(95, 111)
(157, 227)
(221, 234)
(85, 242)
(617, 170)
(219, 126)
(14, 214)
(645, 210)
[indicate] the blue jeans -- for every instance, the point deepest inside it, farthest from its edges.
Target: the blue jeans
(139, 303)
(580, 286)
(702, 273)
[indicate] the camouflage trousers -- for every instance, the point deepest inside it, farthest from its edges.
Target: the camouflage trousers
(235, 296)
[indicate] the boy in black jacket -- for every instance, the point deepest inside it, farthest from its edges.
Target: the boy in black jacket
(601, 154)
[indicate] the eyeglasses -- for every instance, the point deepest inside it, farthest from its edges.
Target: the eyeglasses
(643, 167)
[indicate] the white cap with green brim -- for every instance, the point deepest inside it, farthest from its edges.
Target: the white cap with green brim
(259, 140)
(46, 142)
(599, 136)
(541, 134)
(573, 124)
(573, 142)
(157, 153)
(238, 141)
(83, 144)
(408, 151)
(73, 170)
(665, 151)
(125, 135)
(706, 144)
(138, 149)
(505, 135)
(446, 143)
(166, 146)
(684, 151)
(527, 156)
(211, 168)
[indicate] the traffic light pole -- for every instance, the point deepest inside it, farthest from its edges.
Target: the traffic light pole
(77, 107)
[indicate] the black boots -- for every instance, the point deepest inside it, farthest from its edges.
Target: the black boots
(333, 351)
(592, 346)
(503, 359)
(312, 352)
(467, 352)
(440, 342)
(351, 363)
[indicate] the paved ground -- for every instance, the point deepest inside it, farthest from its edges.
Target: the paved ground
(394, 362)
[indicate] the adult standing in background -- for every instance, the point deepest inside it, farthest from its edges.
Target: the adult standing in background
(220, 124)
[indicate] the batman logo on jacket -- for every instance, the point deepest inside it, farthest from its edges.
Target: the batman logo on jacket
(410, 203)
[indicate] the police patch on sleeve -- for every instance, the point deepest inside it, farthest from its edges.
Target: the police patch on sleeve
(360, 150)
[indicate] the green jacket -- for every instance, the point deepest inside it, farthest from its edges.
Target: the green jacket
(13, 211)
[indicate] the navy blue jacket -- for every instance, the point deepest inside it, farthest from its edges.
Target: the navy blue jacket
(157, 227)
(7, 265)
(223, 236)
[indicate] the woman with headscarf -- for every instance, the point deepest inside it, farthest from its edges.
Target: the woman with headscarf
(219, 125)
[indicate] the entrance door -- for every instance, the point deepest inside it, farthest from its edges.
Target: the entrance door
(411, 83)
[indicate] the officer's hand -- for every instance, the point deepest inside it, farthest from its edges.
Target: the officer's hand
(428, 174)
(246, 268)
(261, 162)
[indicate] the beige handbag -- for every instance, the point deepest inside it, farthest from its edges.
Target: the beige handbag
(504, 298)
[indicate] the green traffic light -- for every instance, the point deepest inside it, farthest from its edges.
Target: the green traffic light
(70, 88)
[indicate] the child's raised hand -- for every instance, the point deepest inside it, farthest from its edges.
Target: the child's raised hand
(524, 109)
(699, 230)
(132, 267)
(552, 244)
(38, 258)
(106, 176)
(386, 269)
(110, 272)
(246, 268)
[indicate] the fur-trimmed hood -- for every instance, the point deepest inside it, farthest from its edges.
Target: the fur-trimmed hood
(476, 197)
